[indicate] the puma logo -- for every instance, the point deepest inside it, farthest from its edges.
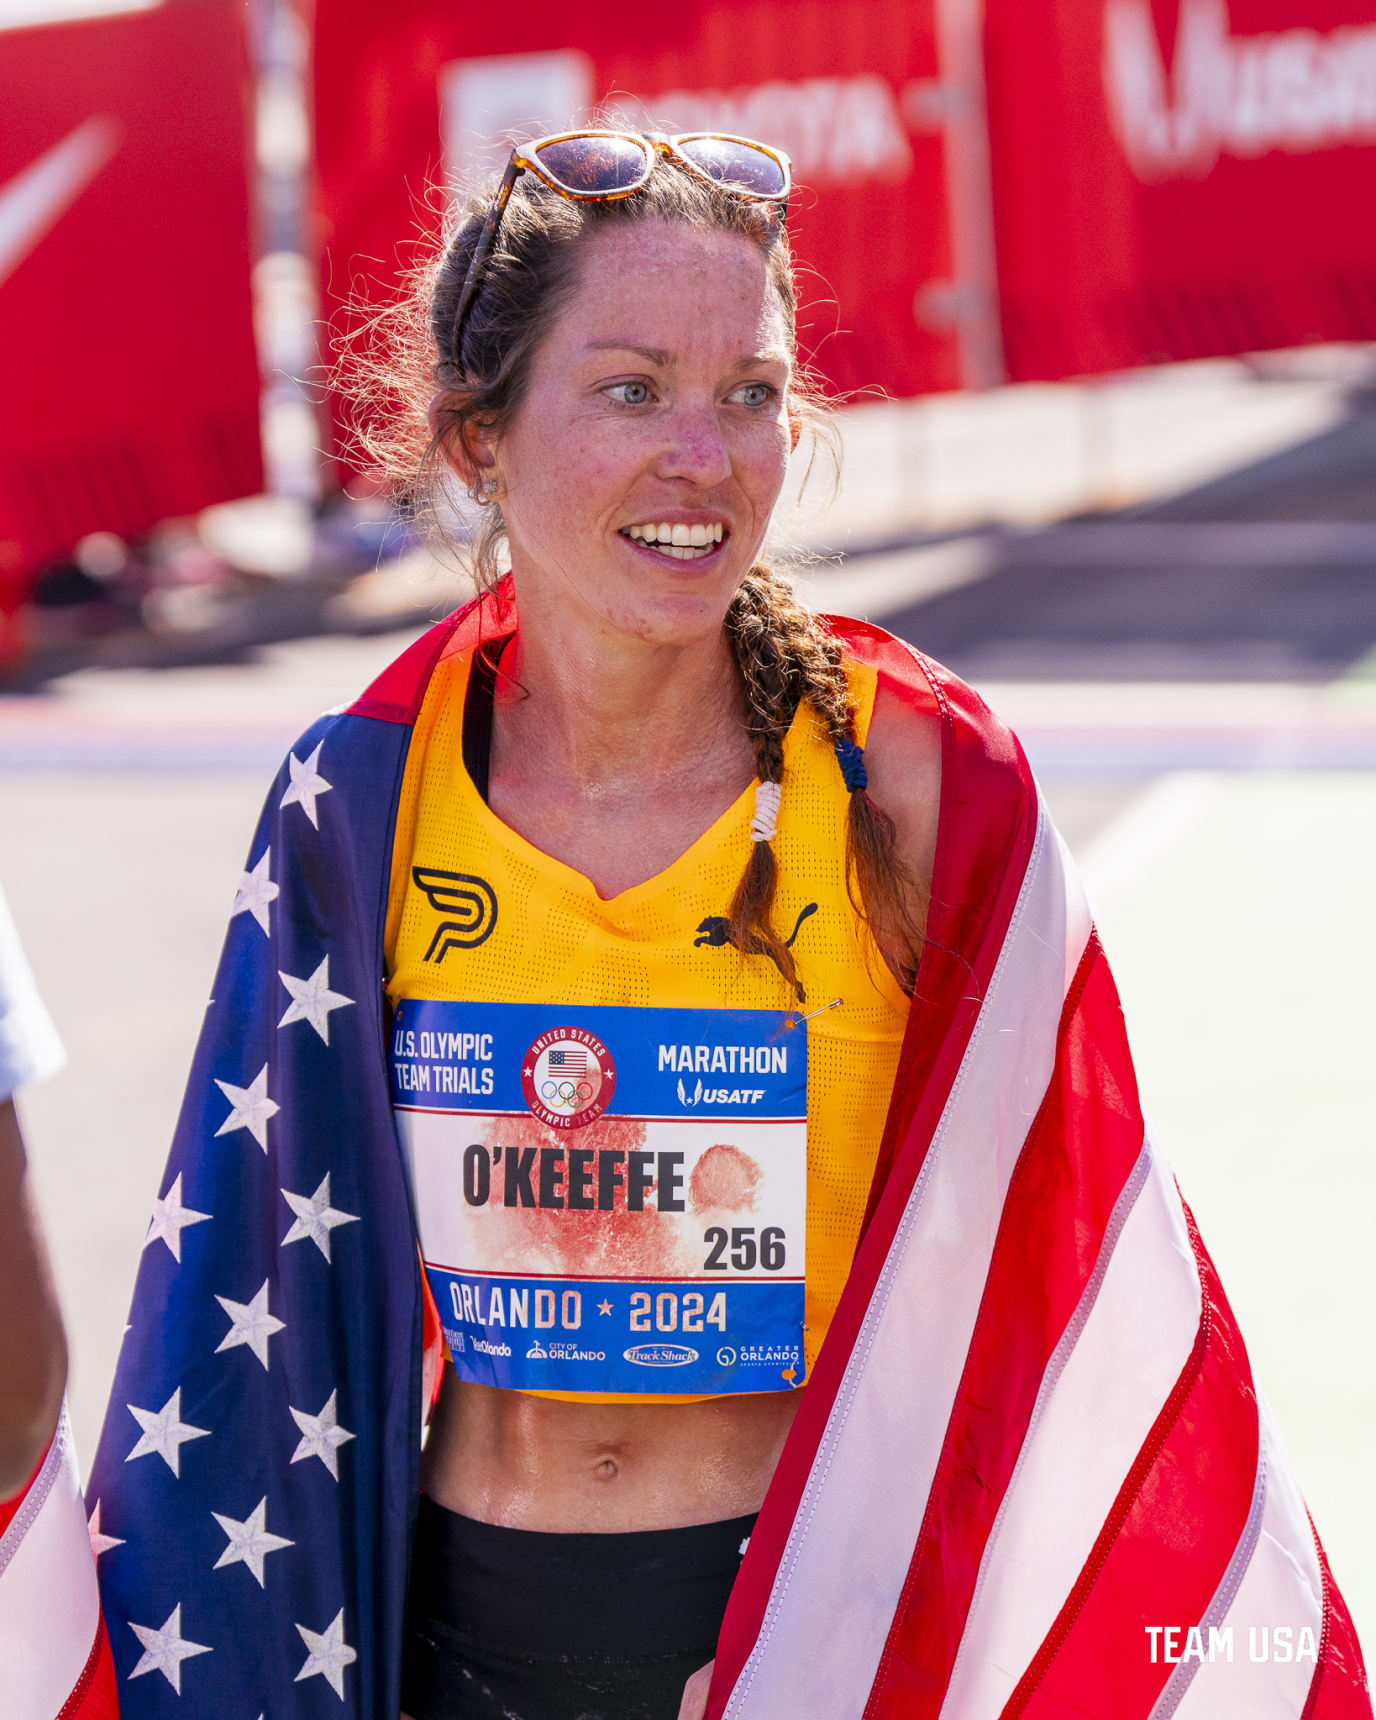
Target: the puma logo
(715, 933)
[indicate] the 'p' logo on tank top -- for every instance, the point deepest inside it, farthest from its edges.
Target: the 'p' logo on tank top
(610, 1199)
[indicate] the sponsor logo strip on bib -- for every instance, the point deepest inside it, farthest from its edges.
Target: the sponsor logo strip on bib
(609, 1199)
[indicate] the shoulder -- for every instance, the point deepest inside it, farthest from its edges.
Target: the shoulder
(933, 737)
(903, 744)
(903, 764)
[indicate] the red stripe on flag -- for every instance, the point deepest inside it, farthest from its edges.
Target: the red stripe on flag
(1168, 1538)
(1339, 1690)
(986, 829)
(1079, 1154)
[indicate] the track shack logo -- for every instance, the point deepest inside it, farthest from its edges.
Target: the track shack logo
(567, 1077)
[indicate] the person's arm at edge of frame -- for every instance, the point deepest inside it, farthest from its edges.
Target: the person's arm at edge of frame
(33, 1344)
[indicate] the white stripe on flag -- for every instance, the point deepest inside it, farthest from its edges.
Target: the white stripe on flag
(1086, 1432)
(1078, 923)
(49, 1606)
(1282, 1586)
(885, 1431)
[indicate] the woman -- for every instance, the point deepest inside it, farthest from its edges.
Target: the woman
(652, 681)
(770, 1138)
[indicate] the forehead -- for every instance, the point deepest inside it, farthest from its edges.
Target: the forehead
(666, 284)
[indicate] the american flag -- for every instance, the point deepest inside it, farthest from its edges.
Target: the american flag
(570, 1059)
(258, 1467)
(1032, 1432)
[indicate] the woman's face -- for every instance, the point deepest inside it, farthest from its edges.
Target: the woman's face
(656, 408)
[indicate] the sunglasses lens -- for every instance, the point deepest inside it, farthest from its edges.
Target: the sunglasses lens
(594, 165)
(741, 166)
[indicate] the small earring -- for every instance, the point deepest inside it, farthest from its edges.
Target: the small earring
(490, 486)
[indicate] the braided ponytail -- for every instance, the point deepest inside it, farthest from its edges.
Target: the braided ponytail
(784, 654)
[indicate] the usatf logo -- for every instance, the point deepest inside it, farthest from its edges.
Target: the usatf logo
(715, 933)
(469, 899)
(718, 1095)
(567, 1077)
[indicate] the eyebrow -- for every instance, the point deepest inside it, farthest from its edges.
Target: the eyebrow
(665, 360)
(656, 355)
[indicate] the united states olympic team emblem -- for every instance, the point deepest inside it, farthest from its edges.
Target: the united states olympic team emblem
(567, 1077)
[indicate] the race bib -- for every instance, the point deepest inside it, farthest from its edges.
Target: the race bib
(609, 1199)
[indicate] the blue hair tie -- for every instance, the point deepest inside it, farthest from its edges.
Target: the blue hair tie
(851, 758)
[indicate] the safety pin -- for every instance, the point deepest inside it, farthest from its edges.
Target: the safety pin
(804, 1019)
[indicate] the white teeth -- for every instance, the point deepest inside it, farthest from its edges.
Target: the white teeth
(682, 542)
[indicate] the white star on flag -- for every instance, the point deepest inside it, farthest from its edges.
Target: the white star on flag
(165, 1432)
(329, 1653)
(100, 1543)
(312, 1000)
(251, 1324)
(251, 1107)
(315, 1217)
(321, 1435)
(306, 784)
(170, 1218)
(255, 891)
(249, 1541)
(164, 1650)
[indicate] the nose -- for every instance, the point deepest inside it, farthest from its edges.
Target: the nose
(695, 446)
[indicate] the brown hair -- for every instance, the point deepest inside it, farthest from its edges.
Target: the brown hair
(782, 650)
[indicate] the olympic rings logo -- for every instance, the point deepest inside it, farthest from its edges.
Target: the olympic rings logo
(567, 1095)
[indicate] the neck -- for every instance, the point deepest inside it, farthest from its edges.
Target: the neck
(602, 707)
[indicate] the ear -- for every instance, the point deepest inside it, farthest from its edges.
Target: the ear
(470, 453)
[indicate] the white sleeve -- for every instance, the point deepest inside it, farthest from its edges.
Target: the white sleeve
(29, 1047)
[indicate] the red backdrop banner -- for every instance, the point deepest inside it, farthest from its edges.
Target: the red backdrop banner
(1159, 179)
(127, 364)
(1178, 179)
(411, 92)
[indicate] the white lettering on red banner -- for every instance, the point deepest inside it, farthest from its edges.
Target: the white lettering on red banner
(1295, 90)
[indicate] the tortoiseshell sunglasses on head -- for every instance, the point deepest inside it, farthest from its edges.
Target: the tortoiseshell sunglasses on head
(601, 166)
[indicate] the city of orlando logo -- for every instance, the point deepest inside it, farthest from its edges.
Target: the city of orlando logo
(567, 1077)
(469, 900)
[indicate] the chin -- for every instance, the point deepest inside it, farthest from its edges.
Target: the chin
(682, 616)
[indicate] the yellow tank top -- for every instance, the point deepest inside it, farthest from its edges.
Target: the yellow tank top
(484, 931)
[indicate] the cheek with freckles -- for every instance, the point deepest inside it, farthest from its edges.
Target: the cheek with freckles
(567, 480)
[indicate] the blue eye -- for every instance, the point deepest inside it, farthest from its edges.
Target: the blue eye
(639, 391)
(761, 391)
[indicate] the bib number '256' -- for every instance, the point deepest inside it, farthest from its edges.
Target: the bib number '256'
(609, 1199)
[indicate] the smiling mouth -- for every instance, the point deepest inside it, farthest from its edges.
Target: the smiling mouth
(678, 542)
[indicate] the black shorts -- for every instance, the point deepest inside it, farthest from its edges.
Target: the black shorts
(513, 1624)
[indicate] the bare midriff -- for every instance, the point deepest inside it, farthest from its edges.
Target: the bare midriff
(527, 1462)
